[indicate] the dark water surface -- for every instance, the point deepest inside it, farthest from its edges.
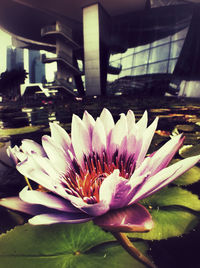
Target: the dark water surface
(31, 120)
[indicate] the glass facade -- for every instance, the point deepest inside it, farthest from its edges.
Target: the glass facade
(158, 57)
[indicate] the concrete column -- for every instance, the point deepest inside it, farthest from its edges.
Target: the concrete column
(96, 55)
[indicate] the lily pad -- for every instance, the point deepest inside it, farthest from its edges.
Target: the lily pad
(189, 177)
(172, 196)
(187, 151)
(17, 131)
(173, 212)
(169, 222)
(63, 246)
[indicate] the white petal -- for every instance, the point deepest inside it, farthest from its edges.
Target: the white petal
(29, 146)
(131, 121)
(89, 122)
(46, 199)
(114, 190)
(98, 137)
(81, 139)
(146, 141)
(119, 131)
(107, 120)
(164, 177)
(60, 136)
(58, 218)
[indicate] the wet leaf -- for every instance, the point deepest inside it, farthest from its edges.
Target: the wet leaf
(189, 177)
(17, 131)
(171, 209)
(63, 246)
(187, 151)
(172, 196)
(169, 222)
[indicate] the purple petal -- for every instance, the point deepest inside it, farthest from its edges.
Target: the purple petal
(147, 138)
(164, 177)
(60, 160)
(60, 136)
(163, 156)
(35, 172)
(29, 147)
(107, 120)
(89, 122)
(47, 199)
(81, 139)
(142, 123)
(52, 218)
(93, 210)
(135, 218)
(114, 190)
(119, 132)
(16, 203)
(98, 137)
(11, 152)
(130, 120)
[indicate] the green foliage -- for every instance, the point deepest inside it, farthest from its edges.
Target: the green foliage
(63, 246)
(173, 212)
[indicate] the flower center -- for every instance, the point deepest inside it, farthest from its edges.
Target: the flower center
(86, 182)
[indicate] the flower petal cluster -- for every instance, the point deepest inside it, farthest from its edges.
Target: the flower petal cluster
(98, 173)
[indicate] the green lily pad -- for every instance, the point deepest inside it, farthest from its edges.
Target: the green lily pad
(171, 210)
(189, 177)
(172, 196)
(169, 222)
(187, 151)
(63, 245)
(17, 131)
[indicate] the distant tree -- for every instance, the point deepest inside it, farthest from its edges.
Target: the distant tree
(10, 82)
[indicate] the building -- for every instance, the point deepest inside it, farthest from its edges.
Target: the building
(36, 67)
(15, 58)
(93, 31)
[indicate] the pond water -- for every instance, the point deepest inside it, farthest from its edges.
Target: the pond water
(31, 120)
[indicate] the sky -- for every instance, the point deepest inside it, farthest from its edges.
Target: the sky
(5, 40)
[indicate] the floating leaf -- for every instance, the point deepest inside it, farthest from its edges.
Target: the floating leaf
(17, 131)
(170, 222)
(187, 151)
(172, 196)
(189, 177)
(63, 246)
(171, 209)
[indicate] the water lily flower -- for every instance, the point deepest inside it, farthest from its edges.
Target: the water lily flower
(99, 173)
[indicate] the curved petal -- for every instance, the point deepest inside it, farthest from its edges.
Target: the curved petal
(52, 218)
(164, 177)
(135, 218)
(89, 122)
(16, 203)
(142, 123)
(118, 134)
(163, 156)
(36, 173)
(29, 146)
(59, 159)
(107, 120)
(146, 141)
(11, 152)
(60, 136)
(81, 139)
(47, 199)
(98, 137)
(93, 210)
(114, 190)
(130, 121)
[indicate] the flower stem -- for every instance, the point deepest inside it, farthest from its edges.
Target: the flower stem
(132, 250)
